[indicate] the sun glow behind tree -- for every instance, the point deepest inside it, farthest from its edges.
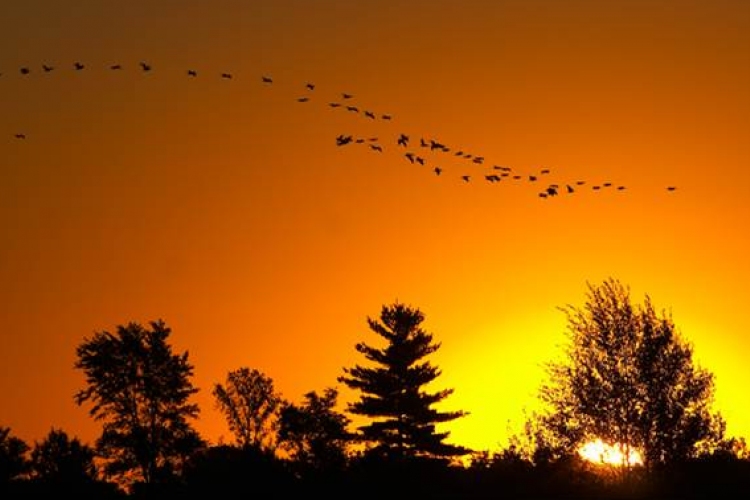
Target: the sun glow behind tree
(599, 452)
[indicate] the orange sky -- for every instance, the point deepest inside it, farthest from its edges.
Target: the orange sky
(224, 206)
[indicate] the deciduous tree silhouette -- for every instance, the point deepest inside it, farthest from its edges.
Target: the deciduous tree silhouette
(61, 459)
(141, 390)
(314, 434)
(251, 407)
(13, 459)
(403, 420)
(629, 379)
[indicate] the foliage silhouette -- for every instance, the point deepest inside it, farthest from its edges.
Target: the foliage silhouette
(403, 419)
(629, 379)
(140, 389)
(314, 434)
(13, 460)
(251, 407)
(59, 458)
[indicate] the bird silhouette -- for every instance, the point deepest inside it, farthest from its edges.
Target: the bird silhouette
(334, 104)
(20, 136)
(78, 66)
(376, 147)
(607, 184)
(532, 178)
(46, 68)
(192, 72)
(437, 170)
(569, 188)
(353, 109)
(403, 140)
(145, 66)
(386, 117)
(25, 71)
(410, 156)
(370, 114)
(303, 99)
(113, 67)
(545, 171)
(341, 140)
(310, 86)
(227, 76)
(620, 188)
(466, 178)
(419, 160)
(671, 188)
(346, 96)
(267, 79)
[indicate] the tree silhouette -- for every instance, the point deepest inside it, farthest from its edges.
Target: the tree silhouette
(60, 459)
(251, 407)
(403, 420)
(13, 460)
(141, 391)
(314, 433)
(629, 379)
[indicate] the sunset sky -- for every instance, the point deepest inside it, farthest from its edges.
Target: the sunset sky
(225, 207)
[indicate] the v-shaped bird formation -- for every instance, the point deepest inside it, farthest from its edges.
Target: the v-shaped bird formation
(417, 150)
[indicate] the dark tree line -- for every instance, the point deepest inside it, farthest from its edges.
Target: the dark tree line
(628, 378)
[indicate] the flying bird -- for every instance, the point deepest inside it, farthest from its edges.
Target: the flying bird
(334, 104)
(78, 66)
(114, 66)
(20, 136)
(46, 68)
(25, 71)
(192, 72)
(620, 188)
(346, 96)
(145, 66)
(303, 99)
(376, 147)
(410, 156)
(343, 139)
(403, 140)
(370, 114)
(569, 188)
(671, 188)
(532, 178)
(267, 79)
(437, 170)
(466, 178)
(354, 109)
(545, 171)
(310, 86)
(227, 76)
(386, 117)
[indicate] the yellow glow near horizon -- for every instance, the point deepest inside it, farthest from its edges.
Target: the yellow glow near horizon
(599, 452)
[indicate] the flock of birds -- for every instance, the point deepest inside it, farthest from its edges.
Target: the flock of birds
(413, 149)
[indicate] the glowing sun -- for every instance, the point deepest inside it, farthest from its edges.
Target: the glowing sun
(600, 452)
